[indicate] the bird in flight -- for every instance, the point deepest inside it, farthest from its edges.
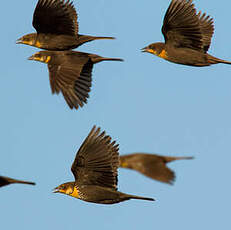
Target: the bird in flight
(95, 171)
(57, 28)
(187, 36)
(151, 165)
(71, 73)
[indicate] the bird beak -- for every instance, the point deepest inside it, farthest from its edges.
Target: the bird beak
(55, 190)
(144, 49)
(19, 41)
(31, 57)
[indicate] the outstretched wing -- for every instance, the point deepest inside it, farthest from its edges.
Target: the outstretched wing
(207, 29)
(73, 77)
(55, 17)
(181, 26)
(97, 160)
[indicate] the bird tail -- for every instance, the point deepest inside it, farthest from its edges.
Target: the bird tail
(214, 60)
(22, 182)
(169, 159)
(139, 198)
(87, 38)
(95, 58)
(111, 59)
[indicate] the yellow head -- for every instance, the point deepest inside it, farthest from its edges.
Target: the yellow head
(68, 188)
(42, 56)
(28, 39)
(157, 49)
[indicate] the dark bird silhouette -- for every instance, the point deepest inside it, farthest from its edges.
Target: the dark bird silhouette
(57, 28)
(95, 171)
(187, 36)
(71, 73)
(7, 180)
(151, 165)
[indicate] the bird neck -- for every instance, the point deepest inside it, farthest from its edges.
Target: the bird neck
(160, 50)
(163, 54)
(75, 192)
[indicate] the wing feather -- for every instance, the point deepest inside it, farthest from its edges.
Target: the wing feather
(73, 79)
(55, 17)
(181, 26)
(97, 160)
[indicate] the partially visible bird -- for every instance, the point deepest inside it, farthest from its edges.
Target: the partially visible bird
(95, 171)
(7, 180)
(151, 165)
(187, 36)
(57, 28)
(71, 73)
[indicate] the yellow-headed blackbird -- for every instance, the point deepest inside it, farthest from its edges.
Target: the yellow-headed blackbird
(95, 171)
(151, 165)
(187, 36)
(57, 28)
(71, 73)
(6, 181)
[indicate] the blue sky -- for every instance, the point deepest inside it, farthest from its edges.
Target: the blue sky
(146, 104)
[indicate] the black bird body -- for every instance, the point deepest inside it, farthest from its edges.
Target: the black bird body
(7, 180)
(95, 171)
(106, 195)
(71, 73)
(55, 42)
(151, 165)
(187, 36)
(99, 194)
(57, 28)
(187, 56)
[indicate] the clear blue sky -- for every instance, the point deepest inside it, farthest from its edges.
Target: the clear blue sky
(146, 104)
